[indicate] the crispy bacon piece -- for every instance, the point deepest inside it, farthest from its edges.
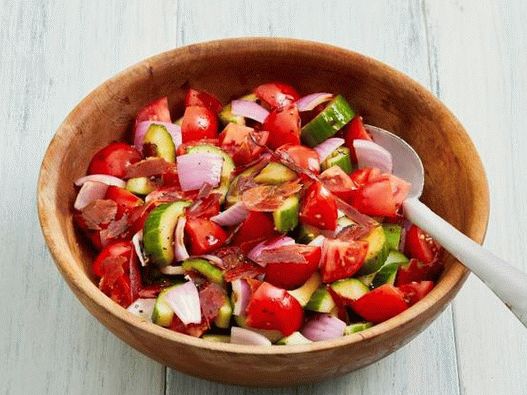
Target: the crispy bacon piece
(113, 268)
(170, 194)
(116, 228)
(245, 271)
(99, 212)
(148, 167)
(211, 297)
(269, 197)
(288, 254)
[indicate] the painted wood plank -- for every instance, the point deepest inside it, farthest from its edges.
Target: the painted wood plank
(479, 52)
(53, 53)
(394, 33)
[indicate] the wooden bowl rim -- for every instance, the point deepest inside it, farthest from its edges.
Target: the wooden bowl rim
(81, 283)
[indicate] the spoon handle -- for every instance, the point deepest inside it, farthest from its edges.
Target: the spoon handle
(507, 282)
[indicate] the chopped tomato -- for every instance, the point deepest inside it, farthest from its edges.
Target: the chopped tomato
(338, 183)
(375, 198)
(290, 275)
(380, 304)
(258, 226)
(304, 157)
(415, 270)
(117, 267)
(199, 123)
(319, 208)
(276, 94)
(113, 159)
(182, 149)
(420, 245)
(274, 308)
(170, 178)
(237, 141)
(355, 131)
(155, 111)
(122, 248)
(204, 235)
(202, 99)
(378, 193)
(415, 291)
(341, 259)
(283, 125)
(124, 198)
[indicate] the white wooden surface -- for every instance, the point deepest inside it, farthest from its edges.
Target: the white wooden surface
(472, 54)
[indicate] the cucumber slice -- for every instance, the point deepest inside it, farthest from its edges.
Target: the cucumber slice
(321, 301)
(341, 157)
(357, 327)
(292, 339)
(207, 269)
(223, 320)
(349, 288)
(306, 233)
(275, 173)
(336, 114)
(396, 257)
(232, 195)
(304, 293)
(162, 313)
(158, 233)
(367, 279)
(217, 338)
(158, 142)
(272, 335)
(140, 185)
(286, 216)
(393, 235)
(377, 251)
(227, 169)
(385, 275)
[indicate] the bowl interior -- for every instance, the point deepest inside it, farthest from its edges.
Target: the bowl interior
(455, 185)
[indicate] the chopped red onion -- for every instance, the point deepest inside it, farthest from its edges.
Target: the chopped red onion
(142, 308)
(180, 251)
(327, 147)
(241, 294)
(249, 109)
(196, 169)
(267, 245)
(142, 128)
(184, 301)
(102, 178)
(232, 216)
(370, 154)
(90, 191)
(247, 337)
(137, 241)
(323, 327)
(309, 102)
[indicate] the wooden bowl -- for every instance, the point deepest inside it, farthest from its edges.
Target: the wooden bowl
(455, 188)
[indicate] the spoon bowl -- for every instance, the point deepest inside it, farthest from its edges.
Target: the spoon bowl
(507, 282)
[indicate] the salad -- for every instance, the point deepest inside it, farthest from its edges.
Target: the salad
(272, 219)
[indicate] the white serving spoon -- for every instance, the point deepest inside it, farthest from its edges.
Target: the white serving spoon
(507, 282)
